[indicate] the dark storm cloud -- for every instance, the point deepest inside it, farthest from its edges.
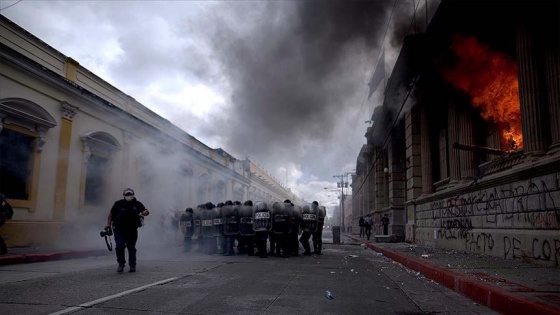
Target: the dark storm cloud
(297, 74)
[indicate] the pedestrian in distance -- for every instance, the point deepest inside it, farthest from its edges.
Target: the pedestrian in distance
(368, 223)
(362, 228)
(125, 217)
(385, 223)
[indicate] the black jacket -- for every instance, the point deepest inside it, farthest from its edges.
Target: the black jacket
(126, 214)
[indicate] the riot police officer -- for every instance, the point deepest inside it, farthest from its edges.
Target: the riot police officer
(219, 226)
(318, 235)
(231, 225)
(308, 226)
(186, 223)
(262, 223)
(246, 231)
(281, 226)
(293, 246)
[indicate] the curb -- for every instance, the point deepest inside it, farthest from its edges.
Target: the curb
(32, 258)
(487, 295)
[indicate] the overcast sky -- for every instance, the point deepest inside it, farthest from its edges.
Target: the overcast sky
(281, 82)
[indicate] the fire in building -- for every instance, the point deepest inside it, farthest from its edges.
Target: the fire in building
(464, 153)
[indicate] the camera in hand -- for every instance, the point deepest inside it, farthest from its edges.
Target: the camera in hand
(106, 232)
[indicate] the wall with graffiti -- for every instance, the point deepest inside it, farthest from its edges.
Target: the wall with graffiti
(520, 220)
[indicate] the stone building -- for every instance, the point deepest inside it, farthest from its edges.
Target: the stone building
(71, 142)
(464, 153)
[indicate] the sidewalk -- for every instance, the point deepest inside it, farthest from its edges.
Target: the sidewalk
(507, 286)
(31, 254)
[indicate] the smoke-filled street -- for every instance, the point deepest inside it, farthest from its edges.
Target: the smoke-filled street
(169, 281)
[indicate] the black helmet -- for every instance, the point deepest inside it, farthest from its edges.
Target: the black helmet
(229, 203)
(189, 210)
(209, 205)
(248, 203)
(315, 203)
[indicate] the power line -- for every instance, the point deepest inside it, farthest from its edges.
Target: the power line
(11, 5)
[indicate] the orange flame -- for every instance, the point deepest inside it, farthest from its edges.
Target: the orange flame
(490, 78)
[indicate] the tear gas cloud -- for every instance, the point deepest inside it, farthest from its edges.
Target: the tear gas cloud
(281, 82)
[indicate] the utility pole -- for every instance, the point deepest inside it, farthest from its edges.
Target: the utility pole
(341, 184)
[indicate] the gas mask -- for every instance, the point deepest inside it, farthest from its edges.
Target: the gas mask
(128, 198)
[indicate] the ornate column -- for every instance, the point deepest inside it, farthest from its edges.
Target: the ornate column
(552, 71)
(68, 112)
(379, 179)
(531, 93)
(466, 136)
(453, 136)
(414, 163)
(426, 153)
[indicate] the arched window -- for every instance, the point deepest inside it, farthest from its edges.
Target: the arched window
(23, 128)
(98, 150)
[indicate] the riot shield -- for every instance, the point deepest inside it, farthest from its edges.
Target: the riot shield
(296, 219)
(230, 216)
(262, 217)
(246, 221)
(217, 221)
(281, 218)
(186, 224)
(207, 223)
(309, 219)
(321, 214)
(197, 222)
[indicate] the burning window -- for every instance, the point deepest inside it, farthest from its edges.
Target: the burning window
(490, 79)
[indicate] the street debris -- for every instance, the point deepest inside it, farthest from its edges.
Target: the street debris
(353, 256)
(425, 256)
(329, 295)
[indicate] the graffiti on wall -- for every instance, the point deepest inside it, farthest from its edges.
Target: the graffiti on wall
(472, 220)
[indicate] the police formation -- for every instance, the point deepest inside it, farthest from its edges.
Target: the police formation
(261, 229)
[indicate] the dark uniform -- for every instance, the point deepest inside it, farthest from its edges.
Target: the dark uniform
(125, 217)
(186, 222)
(219, 227)
(294, 232)
(308, 225)
(281, 226)
(208, 238)
(230, 213)
(318, 235)
(246, 231)
(262, 223)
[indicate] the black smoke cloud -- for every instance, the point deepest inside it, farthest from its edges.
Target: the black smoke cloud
(297, 72)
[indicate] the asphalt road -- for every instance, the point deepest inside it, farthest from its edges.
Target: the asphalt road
(169, 281)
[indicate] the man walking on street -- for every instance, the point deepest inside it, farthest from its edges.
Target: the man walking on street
(368, 222)
(361, 225)
(125, 217)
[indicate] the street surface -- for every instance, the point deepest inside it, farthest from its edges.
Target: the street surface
(169, 281)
